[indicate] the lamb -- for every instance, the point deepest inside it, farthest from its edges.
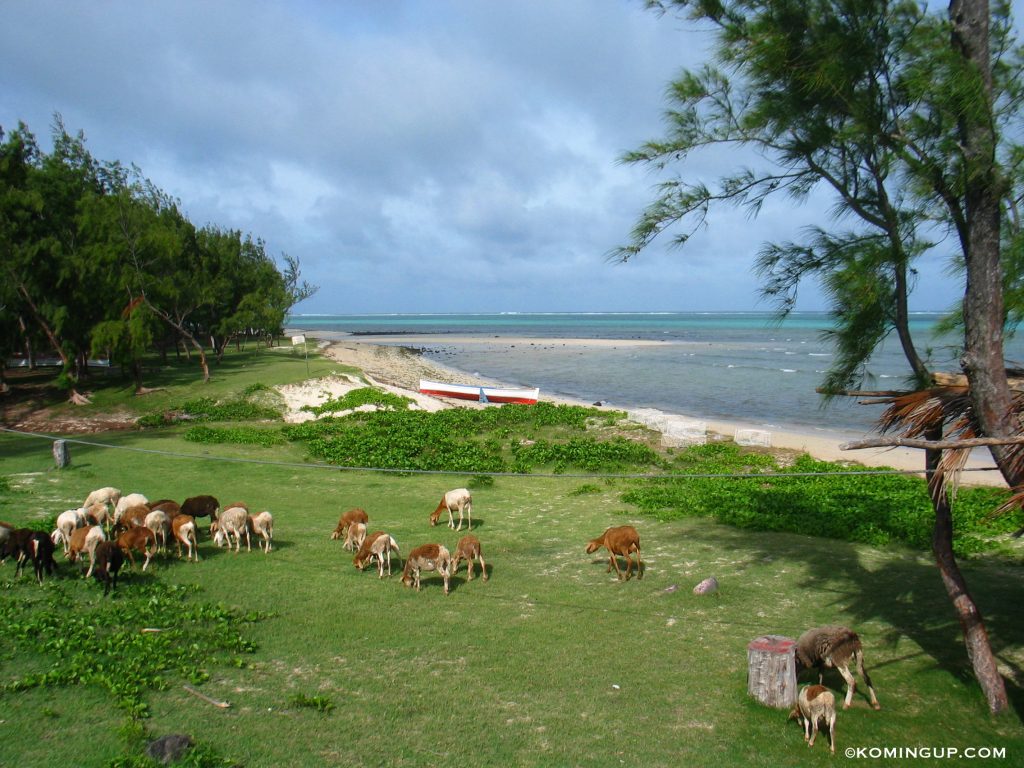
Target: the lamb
(380, 547)
(356, 515)
(355, 535)
(103, 496)
(86, 540)
(620, 540)
(127, 502)
(816, 704)
(454, 500)
(427, 557)
(233, 520)
(263, 526)
(200, 506)
(158, 522)
(825, 647)
(138, 539)
(183, 529)
(67, 522)
(468, 549)
(108, 561)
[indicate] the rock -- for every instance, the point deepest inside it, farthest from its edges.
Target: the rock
(707, 587)
(169, 749)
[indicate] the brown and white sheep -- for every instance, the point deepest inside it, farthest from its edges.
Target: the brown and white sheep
(815, 705)
(355, 515)
(98, 514)
(67, 522)
(468, 549)
(355, 535)
(183, 529)
(427, 557)
(103, 496)
(109, 559)
(25, 544)
(139, 539)
(262, 525)
(380, 547)
(132, 517)
(86, 540)
(458, 499)
(160, 524)
(825, 647)
(127, 502)
(619, 540)
(233, 521)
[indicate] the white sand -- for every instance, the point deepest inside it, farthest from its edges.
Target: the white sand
(387, 364)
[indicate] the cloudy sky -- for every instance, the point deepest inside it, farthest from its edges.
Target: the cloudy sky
(414, 155)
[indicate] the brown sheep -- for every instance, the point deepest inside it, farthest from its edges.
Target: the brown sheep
(816, 704)
(825, 647)
(427, 557)
(468, 549)
(183, 529)
(621, 540)
(356, 515)
(138, 539)
(109, 560)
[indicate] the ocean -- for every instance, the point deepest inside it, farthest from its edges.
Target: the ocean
(730, 366)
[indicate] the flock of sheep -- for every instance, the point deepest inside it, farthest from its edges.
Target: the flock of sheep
(109, 527)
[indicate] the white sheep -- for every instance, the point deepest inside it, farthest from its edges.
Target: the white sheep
(103, 496)
(232, 521)
(262, 525)
(458, 499)
(67, 522)
(158, 522)
(126, 502)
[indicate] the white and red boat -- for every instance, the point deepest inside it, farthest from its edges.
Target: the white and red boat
(480, 394)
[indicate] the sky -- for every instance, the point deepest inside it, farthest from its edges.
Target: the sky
(425, 156)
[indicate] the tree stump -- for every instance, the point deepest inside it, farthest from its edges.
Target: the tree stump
(61, 454)
(771, 670)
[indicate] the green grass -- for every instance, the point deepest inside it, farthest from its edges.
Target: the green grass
(516, 671)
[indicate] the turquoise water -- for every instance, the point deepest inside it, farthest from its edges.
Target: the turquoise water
(730, 366)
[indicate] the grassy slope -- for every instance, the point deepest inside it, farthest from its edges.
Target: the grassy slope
(518, 670)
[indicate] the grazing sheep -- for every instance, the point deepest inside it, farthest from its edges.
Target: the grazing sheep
(816, 704)
(86, 540)
(5, 535)
(233, 520)
(355, 534)
(133, 517)
(621, 540)
(356, 515)
(362, 557)
(825, 647)
(138, 539)
(168, 506)
(97, 514)
(427, 557)
(457, 499)
(127, 502)
(158, 522)
(468, 549)
(38, 547)
(103, 496)
(380, 546)
(109, 559)
(201, 506)
(262, 525)
(67, 522)
(183, 529)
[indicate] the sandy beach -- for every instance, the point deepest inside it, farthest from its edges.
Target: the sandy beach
(388, 361)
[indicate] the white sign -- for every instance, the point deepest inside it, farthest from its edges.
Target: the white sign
(296, 340)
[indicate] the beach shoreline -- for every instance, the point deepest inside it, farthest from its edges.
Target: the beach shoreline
(393, 361)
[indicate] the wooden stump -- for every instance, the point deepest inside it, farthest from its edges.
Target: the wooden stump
(61, 454)
(771, 670)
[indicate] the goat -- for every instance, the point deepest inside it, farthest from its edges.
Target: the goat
(454, 500)
(86, 540)
(138, 539)
(380, 547)
(183, 529)
(103, 496)
(355, 535)
(201, 506)
(127, 502)
(232, 520)
(262, 525)
(158, 522)
(109, 559)
(816, 704)
(356, 515)
(825, 647)
(468, 549)
(620, 540)
(427, 557)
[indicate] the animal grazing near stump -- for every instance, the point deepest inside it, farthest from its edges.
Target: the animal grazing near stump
(458, 500)
(825, 647)
(347, 519)
(620, 540)
(427, 557)
(815, 705)
(468, 549)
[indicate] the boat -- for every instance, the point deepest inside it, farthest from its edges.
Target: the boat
(485, 394)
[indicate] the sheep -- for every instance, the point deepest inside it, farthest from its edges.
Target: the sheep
(816, 704)
(13, 542)
(67, 522)
(232, 520)
(132, 517)
(201, 506)
(380, 547)
(103, 496)
(355, 515)
(36, 546)
(160, 524)
(127, 502)
(139, 539)
(108, 560)
(468, 549)
(263, 526)
(457, 499)
(168, 506)
(183, 529)
(5, 535)
(86, 540)
(97, 514)
(427, 557)
(833, 646)
(354, 536)
(620, 540)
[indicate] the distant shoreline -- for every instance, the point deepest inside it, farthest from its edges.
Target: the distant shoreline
(395, 365)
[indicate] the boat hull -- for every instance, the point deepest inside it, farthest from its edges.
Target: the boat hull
(480, 394)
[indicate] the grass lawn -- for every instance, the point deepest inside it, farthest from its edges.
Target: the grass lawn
(549, 663)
